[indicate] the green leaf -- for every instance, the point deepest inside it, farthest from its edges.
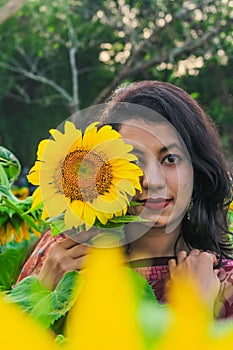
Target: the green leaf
(152, 316)
(142, 288)
(10, 164)
(119, 221)
(57, 226)
(3, 218)
(153, 320)
(10, 264)
(44, 305)
(126, 219)
(3, 178)
(135, 204)
(16, 207)
(36, 209)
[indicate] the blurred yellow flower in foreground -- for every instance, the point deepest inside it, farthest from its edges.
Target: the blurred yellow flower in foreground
(84, 175)
(191, 325)
(104, 316)
(19, 331)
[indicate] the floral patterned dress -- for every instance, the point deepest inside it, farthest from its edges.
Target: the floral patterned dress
(154, 270)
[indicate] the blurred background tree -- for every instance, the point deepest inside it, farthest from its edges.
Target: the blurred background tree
(9, 8)
(61, 56)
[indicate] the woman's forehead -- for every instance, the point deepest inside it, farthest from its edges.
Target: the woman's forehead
(147, 131)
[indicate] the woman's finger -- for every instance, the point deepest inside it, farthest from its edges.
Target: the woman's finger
(67, 243)
(81, 237)
(195, 252)
(78, 250)
(181, 256)
(80, 262)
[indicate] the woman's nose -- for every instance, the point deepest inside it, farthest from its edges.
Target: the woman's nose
(153, 175)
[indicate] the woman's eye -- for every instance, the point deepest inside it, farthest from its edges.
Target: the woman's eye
(171, 159)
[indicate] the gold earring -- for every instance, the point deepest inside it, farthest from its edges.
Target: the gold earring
(188, 214)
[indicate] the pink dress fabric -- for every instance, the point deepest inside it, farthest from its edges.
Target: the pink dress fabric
(155, 271)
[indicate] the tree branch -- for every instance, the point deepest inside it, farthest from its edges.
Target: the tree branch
(11, 7)
(39, 78)
(130, 69)
(74, 105)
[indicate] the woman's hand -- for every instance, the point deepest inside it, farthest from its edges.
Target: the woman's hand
(63, 256)
(199, 266)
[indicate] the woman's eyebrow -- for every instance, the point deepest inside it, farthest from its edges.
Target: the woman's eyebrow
(168, 147)
(138, 151)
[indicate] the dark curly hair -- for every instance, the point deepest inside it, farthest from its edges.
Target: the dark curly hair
(207, 228)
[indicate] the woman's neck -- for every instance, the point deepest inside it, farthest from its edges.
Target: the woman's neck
(154, 243)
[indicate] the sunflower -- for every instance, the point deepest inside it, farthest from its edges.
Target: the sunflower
(20, 192)
(16, 231)
(86, 176)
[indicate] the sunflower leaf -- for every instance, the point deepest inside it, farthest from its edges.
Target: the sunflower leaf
(12, 259)
(134, 204)
(142, 288)
(3, 218)
(57, 226)
(35, 209)
(3, 190)
(120, 221)
(152, 316)
(127, 219)
(20, 212)
(44, 305)
(10, 164)
(4, 178)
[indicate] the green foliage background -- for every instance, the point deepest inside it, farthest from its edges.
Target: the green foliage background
(113, 42)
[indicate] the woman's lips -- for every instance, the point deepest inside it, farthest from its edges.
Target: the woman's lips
(156, 204)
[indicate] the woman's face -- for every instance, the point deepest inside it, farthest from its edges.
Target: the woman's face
(168, 175)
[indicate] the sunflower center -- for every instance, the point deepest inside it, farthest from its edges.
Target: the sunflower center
(85, 175)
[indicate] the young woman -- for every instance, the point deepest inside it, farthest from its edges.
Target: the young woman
(186, 190)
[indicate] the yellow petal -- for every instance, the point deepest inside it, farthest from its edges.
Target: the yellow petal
(109, 204)
(55, 205)
(34, 174)
(72, 220)
(89, 137)
(89, 215)
(115, 148)
(41, 147)
(103, 218)
(106, 134)
(36, 198)
(56, 134)
(125, 186)
(77, 207)
(44, 214)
